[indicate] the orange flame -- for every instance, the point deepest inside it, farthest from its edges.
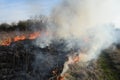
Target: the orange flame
(34, 35)
(76, 59)
(60, 78)
(6, 42)
(18, 38)
(9, 40)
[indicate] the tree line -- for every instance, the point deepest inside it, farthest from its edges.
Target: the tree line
(30, 24)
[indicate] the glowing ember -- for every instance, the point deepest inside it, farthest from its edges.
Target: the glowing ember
(60, 78)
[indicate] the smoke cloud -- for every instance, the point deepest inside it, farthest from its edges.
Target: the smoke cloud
(87, 26)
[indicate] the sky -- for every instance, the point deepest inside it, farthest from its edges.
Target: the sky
(15, 10)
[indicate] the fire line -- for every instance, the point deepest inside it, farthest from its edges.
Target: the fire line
(9, 40)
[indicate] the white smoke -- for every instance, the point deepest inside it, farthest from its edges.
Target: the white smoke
(76, 16)
(87, 18)
(87, 24)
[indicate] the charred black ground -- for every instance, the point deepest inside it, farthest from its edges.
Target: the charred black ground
(20, 61)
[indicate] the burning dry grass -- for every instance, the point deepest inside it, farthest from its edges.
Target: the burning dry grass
(16, 62)
(6, 39)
